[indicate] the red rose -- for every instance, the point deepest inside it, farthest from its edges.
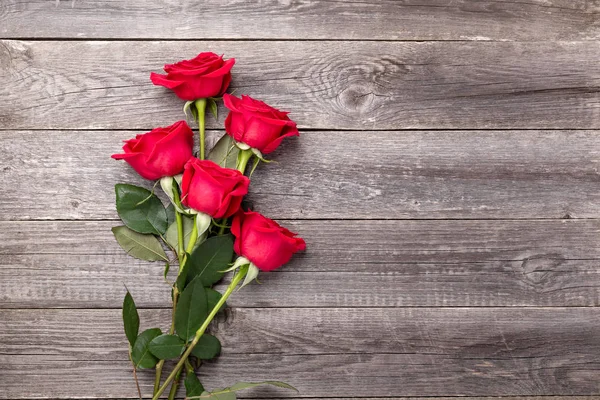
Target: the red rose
(212, 189)
(160, 152)
(263, 241)
(257, 124)
(207, 75)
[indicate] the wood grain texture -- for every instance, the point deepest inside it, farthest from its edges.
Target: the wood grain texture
(365, 352)
(347, 264)
(413, 174)
(315, 19)
(326, 85)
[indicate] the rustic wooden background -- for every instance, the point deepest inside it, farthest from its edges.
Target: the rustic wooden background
(446, 181)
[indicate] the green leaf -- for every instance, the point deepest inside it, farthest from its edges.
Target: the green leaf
(140, 209)
(192, 310)
(221, 396)
(144, 247)
(166, 347)
(208, 347)
(131, 319)
(171, 234)
(209, 258)
(224, 152)
(229, 393)
(170, 210)
(212, 106)
(212, 298)
(193, 387)
(140, 354)
(216, 395)
(182, 277)
(248, 385)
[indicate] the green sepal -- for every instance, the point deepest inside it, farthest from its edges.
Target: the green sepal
(189, 107)
(212, 106)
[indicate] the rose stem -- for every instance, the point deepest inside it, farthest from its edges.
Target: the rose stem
(175, 386)
(244, 157)
(180, 257)
(234, 282)
(201, 109)
(193, 237)
(137, 383)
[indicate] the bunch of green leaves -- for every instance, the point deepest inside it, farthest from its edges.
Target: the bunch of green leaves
(147, 223)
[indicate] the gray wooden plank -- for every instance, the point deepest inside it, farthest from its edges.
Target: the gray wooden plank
(347, 264)
(315, 19)
(326, 84)
(363, 352)
(412, 174)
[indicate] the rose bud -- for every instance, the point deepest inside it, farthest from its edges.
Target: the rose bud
(263, 241)
(257, 124)
(212, 189)
(206, 75)
(160, 152)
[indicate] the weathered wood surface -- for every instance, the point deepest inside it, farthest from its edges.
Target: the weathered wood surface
(415, 174)
(327, 85)
(348, 264)
(317, 19)
(346, 375)
(364, 352)
(446, 182)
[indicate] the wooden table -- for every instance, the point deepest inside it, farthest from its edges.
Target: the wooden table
(446, 181)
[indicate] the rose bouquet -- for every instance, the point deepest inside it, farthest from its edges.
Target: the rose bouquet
(204, 227)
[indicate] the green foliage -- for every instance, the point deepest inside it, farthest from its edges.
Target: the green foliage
(224, 152)
(131, 319)
(193, 387)
(209, 258)
(229, 393)
(166, 347)
(140, 210)
(170, 210)
(138, 245)
(212, 298)
(208, 347)
(192, 310)
(171, 234)
(140, 354)
(212, 106)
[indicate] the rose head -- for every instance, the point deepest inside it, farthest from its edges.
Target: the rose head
(160, 152)
(212, 189)
(263, 241)
(207, 75)
(257, 124)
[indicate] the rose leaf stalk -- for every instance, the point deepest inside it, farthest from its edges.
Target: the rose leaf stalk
(201, 110)
(238, 277)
